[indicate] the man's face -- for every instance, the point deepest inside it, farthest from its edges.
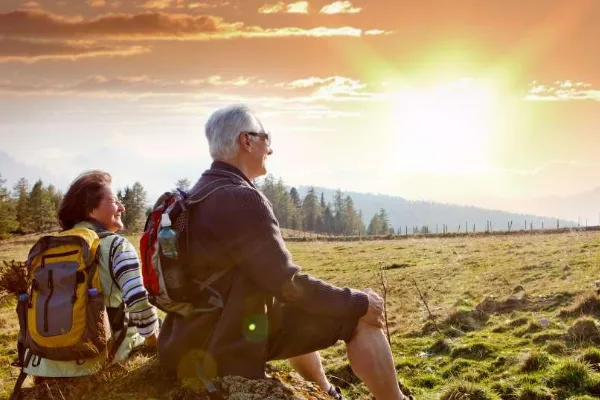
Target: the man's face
(261, 150)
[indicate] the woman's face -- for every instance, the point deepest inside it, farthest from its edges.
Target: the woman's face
(109, 210)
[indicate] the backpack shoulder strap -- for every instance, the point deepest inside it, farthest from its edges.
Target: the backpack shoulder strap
(118, 314)
(204, 192)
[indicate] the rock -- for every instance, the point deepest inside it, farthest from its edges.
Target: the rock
(518, 288)
(545, 323)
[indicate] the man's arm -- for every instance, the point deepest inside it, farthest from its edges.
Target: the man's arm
(254, 241)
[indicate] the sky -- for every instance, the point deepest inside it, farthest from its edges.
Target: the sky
(479, 102)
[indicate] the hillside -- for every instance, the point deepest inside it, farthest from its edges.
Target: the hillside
(514, 318)
(403, 213)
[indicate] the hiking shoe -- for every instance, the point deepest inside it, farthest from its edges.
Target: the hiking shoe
(335, 392)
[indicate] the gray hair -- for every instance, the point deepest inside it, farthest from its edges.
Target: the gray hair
(224, 126)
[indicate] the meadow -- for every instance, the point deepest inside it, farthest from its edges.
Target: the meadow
(486, 317)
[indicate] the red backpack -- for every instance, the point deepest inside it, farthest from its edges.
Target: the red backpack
(165, 279)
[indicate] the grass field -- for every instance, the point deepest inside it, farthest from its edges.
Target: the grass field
(514, 317)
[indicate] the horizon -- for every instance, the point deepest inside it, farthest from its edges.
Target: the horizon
(479, 103)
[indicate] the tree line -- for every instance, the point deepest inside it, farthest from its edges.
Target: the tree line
(312, 213)
(29, 209)
(34, 208)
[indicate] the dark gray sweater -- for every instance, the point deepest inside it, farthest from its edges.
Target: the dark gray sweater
(235, 229)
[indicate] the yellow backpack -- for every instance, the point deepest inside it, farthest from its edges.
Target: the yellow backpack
(66, 318)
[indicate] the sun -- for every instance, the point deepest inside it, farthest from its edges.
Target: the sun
(444, 128)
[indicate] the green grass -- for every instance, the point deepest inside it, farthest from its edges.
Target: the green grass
(534, 348)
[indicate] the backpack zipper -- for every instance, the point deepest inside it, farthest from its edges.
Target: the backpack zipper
(51, 287)
(68, 253)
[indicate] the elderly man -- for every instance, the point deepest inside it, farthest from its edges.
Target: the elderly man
(270, 309)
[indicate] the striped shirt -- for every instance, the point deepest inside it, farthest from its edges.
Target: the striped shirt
(127, 274)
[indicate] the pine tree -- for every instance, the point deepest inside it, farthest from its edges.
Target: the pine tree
(328, 220)
(54, 195)
(21, 193)
(295, 198)
(339, 225)
(41, 209)
(385, 222)
(295, 210)
(183, 184)
(374, 225)
(8, 221)
(134, 201)
(310, 211)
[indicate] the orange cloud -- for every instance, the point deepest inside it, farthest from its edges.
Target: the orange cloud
(562, 91)
(272, 8)
(32, 4)
(96, 3)
(340, 7)
(156, 4)
(33, 51)
(142, 84)
(149, 26)
(298, 7)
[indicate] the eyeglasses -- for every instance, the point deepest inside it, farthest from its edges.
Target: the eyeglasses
(262, 135)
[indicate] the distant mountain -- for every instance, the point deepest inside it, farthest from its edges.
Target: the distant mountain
(407, 213)
(583, 207)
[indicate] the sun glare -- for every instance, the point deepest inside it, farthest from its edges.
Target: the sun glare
(442, 129)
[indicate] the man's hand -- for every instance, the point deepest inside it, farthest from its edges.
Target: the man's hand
(374, 315)
(152, 340)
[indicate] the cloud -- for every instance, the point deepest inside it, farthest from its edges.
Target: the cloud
(32, 51)
(298, 7)
(340, 7)
(329, 87)
(272, 8)
(156, 4)
(96, 3)
(562, 91)
(207, 5)
(32, 4)
(149, 26)
(235, 89)
(135, 85)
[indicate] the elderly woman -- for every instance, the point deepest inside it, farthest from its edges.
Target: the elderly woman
(91, 203)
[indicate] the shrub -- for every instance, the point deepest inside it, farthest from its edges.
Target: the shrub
(589, 305)
(535, 361)
(467, 390)
(534, 392)
(441, 346)
(592, 357)
(476, 351)
(584, 330)
(556, 347)
(428, 381)
(571, 375)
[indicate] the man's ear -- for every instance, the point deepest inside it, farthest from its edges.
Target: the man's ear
(244, 141)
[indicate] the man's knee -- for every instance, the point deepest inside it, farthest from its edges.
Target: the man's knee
(364, 329)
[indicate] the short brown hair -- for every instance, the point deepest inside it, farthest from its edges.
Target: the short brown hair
(83, 196)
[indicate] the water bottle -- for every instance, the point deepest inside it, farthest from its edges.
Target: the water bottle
(172, 271)
(167, 237)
